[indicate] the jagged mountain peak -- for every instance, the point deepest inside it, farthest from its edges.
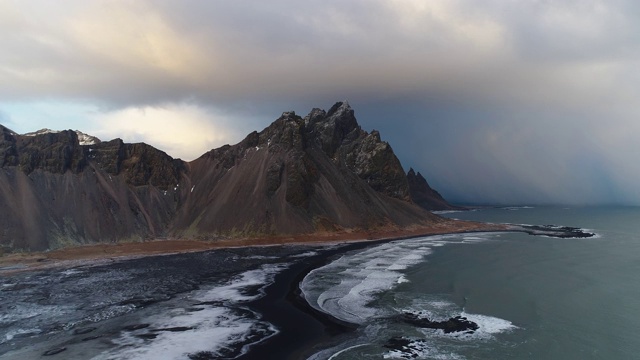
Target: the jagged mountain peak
(423, 195)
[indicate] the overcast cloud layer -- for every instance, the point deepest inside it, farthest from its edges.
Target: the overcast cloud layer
(493, 101)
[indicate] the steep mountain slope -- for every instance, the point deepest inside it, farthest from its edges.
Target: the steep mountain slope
(299, 175)
(426, 197)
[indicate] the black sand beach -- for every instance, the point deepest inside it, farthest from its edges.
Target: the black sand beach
(302, 329)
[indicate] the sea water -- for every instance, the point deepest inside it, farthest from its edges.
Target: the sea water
(532, 297)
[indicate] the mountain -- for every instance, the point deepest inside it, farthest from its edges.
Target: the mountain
(320, 173)
(424, 196)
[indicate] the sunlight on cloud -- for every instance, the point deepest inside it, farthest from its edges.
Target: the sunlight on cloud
(183, 131)
(135, 35)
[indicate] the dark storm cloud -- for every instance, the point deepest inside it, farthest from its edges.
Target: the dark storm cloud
(528, 101)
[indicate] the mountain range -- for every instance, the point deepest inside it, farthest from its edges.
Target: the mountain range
(318, 173)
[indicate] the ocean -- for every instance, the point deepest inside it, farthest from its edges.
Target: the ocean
(516, 296)
(532, 297)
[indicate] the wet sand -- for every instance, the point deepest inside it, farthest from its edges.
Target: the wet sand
(99, 254)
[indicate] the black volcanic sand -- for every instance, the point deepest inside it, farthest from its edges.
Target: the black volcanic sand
(303, 330)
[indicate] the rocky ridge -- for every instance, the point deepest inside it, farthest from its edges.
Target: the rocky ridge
(320, 173)
(425, 196)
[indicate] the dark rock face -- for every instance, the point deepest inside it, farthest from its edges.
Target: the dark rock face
(140, 164)
(423, 195)
(341, 138)
(8, 148)
(53, 152)
(454, 324)
(299, 175)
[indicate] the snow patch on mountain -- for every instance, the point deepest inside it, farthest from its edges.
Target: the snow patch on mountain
(83, 139)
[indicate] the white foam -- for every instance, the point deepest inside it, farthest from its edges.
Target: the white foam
(489, 325)
(305, 254)
(345, 287)
(420, 349)
(212, 330)
(595, 234)
(437, 308)
(71, 272)
(234, 290)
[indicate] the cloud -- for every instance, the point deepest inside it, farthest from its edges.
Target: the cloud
(496, 101)
(180, 130)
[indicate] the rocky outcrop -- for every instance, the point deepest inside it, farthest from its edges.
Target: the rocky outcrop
(423, 195)
(341, 138)
(139, 164)
(319, 173)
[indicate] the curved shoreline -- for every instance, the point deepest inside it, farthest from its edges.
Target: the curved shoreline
(321, 330)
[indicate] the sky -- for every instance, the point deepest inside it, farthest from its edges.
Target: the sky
(493, 101)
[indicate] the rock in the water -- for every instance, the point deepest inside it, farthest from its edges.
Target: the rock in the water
(454, 324)
(563, 232)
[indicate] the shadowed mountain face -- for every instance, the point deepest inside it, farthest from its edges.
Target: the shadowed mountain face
(299, 175)
(426, 197)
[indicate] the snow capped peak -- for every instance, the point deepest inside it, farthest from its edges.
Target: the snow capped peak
(83, 139)
(41, 132)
